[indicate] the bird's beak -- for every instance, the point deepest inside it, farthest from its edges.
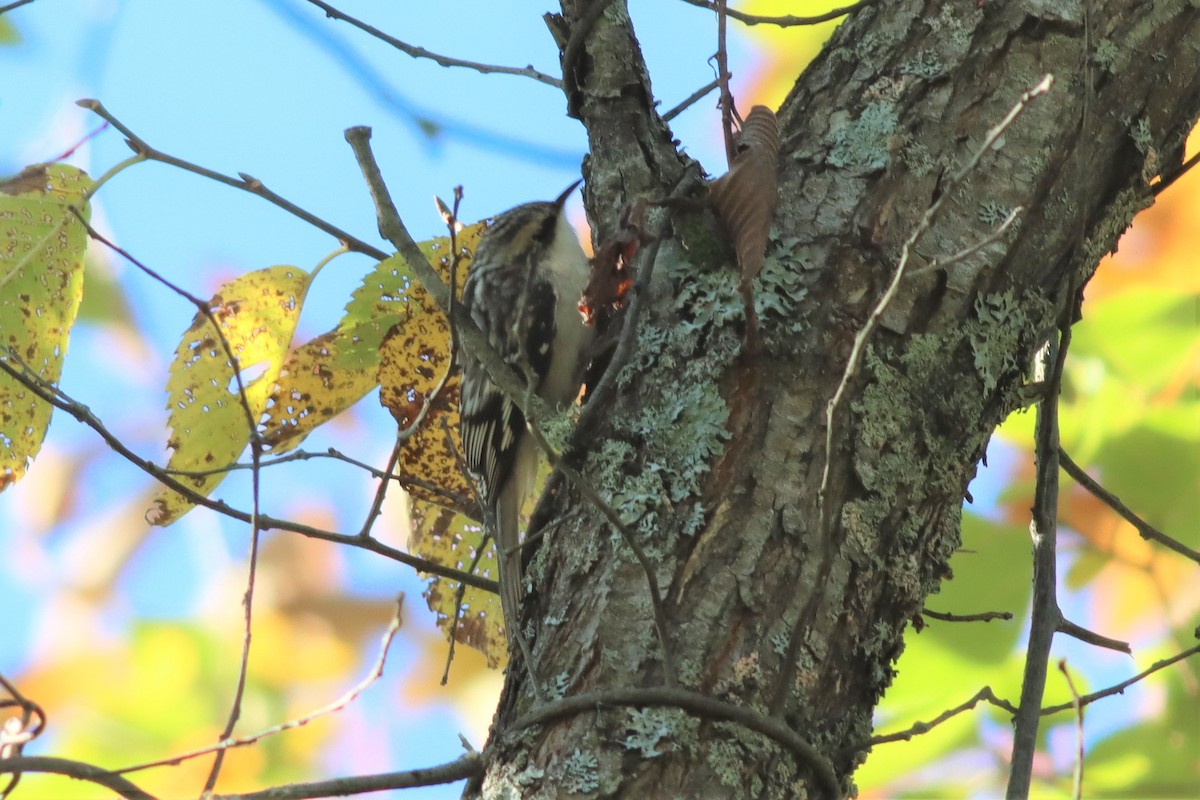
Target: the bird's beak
(562, 198)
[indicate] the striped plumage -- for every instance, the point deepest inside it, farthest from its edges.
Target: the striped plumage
(524, 286)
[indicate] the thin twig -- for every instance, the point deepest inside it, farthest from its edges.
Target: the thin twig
(445, 61)
(246, 183)
(205, 310)
(784, 21)
(995, 235)
(393, 229)
(452, 499)
(459, 597)
(920, 728)
(1075, 701)
(381, 491)
(16, 732)
(700, 705)
(1184, 169)
(985, 616)
(691, 100)
(986, 695)
(11, 6)
(254, 437)
(726, 102)
(337, 705)
(1091, 637)
(51, 394)
(469, 765)
(1120, 688)
(1144, 529)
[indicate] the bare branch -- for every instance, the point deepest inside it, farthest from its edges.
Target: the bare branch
(1091, 637)
(246, 183)
(1120, 688)
(691, 99)
(987, 695)
(1046, 618)
(701, 706)
(75, 769)
(985, 616)
(726, 102)
(1144, 529)
(784, 21)
(468, 765)
(589, 492)
(445, 61)
(995, 235)
(381, 491)
(11, 6)
(917, 729)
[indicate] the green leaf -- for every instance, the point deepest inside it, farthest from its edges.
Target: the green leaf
(257, 313)
(41, 284)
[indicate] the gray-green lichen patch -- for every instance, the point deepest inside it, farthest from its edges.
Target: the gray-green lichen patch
(1105, 55)
(995, 337)
(778, 292)
(659, 455)
(1142, 138)
(653, 732)
(865, 142)
(925, 64)
(580, 773)
(992, 212)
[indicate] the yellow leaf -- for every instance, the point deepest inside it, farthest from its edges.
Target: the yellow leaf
(257, 314)
(333, 371)
(41, 283)
(451, 539)
(313, 387)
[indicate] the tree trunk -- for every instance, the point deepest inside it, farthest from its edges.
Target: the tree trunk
(779, 604)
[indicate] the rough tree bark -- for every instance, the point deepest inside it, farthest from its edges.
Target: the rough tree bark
(776, 602)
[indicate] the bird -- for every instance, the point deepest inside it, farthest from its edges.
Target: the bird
(522, 291)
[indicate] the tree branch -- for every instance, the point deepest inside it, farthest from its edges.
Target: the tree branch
(467, 766)
(701, 706)
(445, 61)
(1120, 688)
(11, 6)
(784, 21)
(1144, 529)
(246, 183)
(985, 616)
(75, 769)
(1046, 616)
